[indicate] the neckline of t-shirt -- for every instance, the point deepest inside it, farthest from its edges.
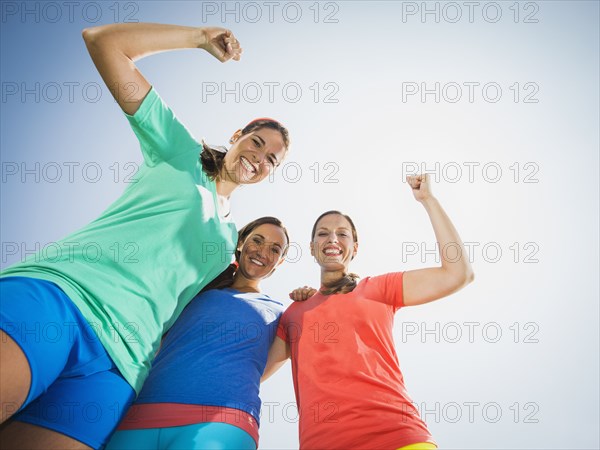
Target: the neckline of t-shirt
(257, 294)
(242, 292)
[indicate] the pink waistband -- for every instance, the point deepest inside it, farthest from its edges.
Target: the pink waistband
(163, 415)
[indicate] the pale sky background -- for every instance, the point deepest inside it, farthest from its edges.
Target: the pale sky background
(511, 361)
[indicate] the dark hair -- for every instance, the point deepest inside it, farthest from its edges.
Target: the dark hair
(213, 159)
(349, 281)
(225, 279)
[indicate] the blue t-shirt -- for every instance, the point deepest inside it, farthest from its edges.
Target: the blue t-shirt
(216, 352)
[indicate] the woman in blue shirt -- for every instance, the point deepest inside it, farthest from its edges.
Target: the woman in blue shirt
(202, 391)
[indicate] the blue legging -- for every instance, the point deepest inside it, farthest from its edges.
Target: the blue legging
(209, 436)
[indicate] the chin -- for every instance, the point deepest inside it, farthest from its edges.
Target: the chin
(332, 265)
(243, 180)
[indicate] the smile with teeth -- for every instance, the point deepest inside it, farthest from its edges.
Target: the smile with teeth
(247, 165)
(332, 251)
(257, 262)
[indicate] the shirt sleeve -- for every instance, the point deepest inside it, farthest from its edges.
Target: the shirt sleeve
(161, 135)
(386, 288)
(290, 323)
(281, 328)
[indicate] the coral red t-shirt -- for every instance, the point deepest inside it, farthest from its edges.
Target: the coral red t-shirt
(349, 388)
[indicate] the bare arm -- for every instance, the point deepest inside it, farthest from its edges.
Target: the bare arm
(425, 285)
(278, 355)
(115, 48)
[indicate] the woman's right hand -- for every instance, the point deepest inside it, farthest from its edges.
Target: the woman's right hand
(221, 43)
(303, 293)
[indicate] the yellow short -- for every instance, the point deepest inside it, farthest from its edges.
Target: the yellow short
(419, 446)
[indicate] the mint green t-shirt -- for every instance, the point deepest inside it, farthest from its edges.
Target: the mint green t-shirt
(133, 269)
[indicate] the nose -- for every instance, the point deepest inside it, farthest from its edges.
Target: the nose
(259, 251)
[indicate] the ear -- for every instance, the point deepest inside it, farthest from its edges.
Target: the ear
(355, 250)
(312, 248)
(235, 136)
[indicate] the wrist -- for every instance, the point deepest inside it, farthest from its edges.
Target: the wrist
(199, 37)
(429, 201)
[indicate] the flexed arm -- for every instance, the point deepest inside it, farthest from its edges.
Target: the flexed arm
(114, 49)
(425, 285)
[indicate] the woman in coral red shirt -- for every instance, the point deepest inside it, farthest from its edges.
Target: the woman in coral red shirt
(349, 388)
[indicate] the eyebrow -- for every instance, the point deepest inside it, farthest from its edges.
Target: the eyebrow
(338, 228)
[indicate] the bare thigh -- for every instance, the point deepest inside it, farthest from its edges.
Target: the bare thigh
(20, 435)
(15, 376)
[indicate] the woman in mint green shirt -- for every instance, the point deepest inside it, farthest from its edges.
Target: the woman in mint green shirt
(130, 272)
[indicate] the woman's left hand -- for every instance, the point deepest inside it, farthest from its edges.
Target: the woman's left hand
(420, 186)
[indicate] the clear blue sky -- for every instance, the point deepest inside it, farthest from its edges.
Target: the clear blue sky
(499, 101)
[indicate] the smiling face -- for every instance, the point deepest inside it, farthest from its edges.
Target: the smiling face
(253, 156)
(333, 244)
(262, 251)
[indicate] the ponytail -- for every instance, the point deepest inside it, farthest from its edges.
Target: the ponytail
(224, 279)
(212, 159)
(342, 286)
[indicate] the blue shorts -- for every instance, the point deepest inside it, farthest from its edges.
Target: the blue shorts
(198, 436)
(76, 389)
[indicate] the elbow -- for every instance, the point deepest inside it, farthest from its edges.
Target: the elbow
(92, 34)
(469, 276)
(88, 34)
(463, 279)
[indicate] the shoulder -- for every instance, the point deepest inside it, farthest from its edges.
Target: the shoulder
(271, 303)
(381, 281)
(386, 288)
(299, 308)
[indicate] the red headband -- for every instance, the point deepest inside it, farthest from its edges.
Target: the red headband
(264, 118)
